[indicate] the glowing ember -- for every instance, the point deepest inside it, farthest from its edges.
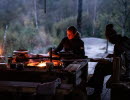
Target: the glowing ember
(57, 63)
(32, 63)
(42, 64)
(45, 63)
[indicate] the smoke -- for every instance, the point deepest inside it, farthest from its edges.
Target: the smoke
(44, 42)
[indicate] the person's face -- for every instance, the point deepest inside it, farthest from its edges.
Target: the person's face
(70, 34)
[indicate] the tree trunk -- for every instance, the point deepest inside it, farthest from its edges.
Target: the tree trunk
(107, 42)
(124, 17)
(44, 6)
(35, 14)
(123, 29)
(94, 16)
(79, 17)
(4, 41)
(124, 11)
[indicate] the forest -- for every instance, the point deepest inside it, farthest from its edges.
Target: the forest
(36, 25)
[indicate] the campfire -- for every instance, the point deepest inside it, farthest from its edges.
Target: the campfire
(46, 63)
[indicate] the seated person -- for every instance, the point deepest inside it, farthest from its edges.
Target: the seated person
(102, 70)
(121, 48)
(72, 44)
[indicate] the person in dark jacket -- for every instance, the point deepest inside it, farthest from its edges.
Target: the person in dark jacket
(121, 49)
(102, 70)
(72, 43)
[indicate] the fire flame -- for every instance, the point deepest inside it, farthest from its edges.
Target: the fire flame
(1, 51)
(42, 64)
(32, 63)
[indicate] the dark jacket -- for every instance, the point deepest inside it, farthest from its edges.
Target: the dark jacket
(76, 46)
(121, 44)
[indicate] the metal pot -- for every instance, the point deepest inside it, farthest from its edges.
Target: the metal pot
(21, 55)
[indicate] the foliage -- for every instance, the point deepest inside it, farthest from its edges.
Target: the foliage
(19, 15)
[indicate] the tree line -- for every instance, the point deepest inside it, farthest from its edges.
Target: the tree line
(38, 24)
